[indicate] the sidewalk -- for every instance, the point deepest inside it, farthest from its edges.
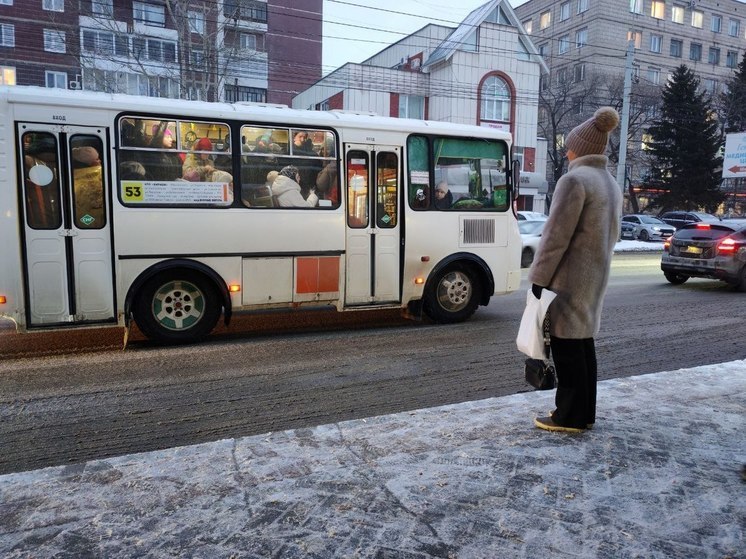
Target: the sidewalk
(658, 477)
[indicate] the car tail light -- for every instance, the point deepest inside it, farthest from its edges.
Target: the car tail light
(727, 246)
(703, 225)
(666, 244)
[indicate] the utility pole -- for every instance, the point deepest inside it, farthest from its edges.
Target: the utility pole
(622, 165)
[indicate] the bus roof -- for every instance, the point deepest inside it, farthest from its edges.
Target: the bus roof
(117, 102)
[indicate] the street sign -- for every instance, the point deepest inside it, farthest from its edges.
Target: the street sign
(734, 160)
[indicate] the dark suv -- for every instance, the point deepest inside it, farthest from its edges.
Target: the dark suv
(679, 219)
(707, 250)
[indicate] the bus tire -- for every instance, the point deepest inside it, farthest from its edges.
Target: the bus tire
(177, 307)
(453, 295)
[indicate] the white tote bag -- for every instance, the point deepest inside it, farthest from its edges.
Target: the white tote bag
(530, 338)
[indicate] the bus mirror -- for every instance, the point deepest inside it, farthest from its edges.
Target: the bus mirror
(516, 178)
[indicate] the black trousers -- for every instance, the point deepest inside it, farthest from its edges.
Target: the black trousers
(577, 374)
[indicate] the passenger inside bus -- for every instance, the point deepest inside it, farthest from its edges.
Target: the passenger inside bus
(327, 180)
(443, 197)
(286, 190)
(40, 172)
(165, 163)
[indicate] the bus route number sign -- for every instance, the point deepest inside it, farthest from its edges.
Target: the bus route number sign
(132, 191)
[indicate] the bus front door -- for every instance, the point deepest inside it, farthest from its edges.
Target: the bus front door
(373, 236)
(67, 242)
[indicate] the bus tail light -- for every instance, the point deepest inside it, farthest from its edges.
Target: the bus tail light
(3, 300)
(234, 288)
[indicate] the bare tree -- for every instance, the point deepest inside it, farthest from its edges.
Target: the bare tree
(207, 51)
(644, 105)
(564, 102)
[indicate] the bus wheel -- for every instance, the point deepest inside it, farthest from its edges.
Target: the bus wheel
(177, 307)
(453, 295)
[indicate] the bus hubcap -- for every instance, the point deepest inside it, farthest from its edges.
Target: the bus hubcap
(178, 305)
(454, 291)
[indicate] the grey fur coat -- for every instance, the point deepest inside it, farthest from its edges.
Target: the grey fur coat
(574, 255)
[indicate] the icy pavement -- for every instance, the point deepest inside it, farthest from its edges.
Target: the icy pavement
(658, 477)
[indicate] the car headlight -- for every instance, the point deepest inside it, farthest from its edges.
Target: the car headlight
(656, 228)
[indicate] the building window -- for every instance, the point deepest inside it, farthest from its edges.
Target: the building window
(6, 3)
(731, 59)
(496, 100)
(577, 105)
(545, 20)
(98, 42)
(240, 93)
(581, 37)
(102, 7)
(561, 76)
(711, 86)
(635, 6)
(565, 10)
(7, 35)
(153, 49)
(582, 6)
(564, 44)
(54, 5)
(716, 23)
(149, 14)
(579, 72)
(734, 27)
(657, 9)
(698, 19)
(677, 14)
(676, 47)
(714, 56)
(56, 79)
(654, 75)
(647, 140)
(197, 58)
(543, 49)
(635, 37)
(196, 22)
(528, 25)
(7, 75)
(695, 52)
(249, 10)
(248, 41)
(54, 41)
(411, 106)
(655, 43)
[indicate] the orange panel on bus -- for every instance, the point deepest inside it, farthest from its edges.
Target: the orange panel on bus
(317, 274)
(329, 274)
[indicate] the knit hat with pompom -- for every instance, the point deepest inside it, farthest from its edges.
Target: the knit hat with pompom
(592, 136)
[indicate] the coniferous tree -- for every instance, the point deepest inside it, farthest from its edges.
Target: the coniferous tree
(686, 165)
(733, 101)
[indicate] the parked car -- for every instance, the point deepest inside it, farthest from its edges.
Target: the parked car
(628, 230)
(680, 218)
(530, 235)
(525, 215)
(648, 228)
(707, 250)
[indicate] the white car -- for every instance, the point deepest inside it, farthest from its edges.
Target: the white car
(525, 215)
(530, 235)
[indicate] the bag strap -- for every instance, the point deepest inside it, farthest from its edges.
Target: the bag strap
(545, 329)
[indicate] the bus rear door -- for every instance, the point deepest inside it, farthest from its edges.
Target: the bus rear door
(66, 238)
(373, 224)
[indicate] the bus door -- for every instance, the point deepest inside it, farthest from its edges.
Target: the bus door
(373, 235)
(67, 237)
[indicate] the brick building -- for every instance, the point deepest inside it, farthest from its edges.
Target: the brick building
(235, 50)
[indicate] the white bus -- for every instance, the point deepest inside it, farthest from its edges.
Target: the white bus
(173, 213)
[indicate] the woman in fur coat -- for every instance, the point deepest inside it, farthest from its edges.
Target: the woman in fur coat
(573, 260)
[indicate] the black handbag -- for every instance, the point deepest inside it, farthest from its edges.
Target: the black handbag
(540, 373)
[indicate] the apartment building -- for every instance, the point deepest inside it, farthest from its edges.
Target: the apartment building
(233, 50)
(709, 36)
(485, 72)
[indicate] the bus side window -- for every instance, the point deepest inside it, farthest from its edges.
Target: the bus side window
(88, 182)
(40, 171)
